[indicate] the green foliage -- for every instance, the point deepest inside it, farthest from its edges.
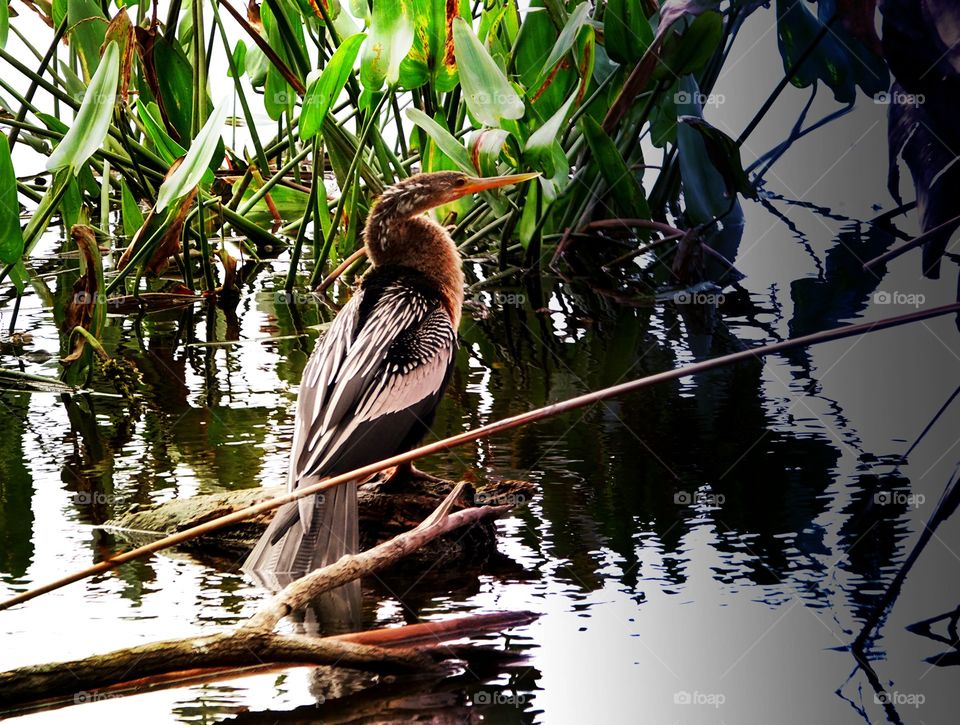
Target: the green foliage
(390, 39)
(360, 95)
(92, 123)
(488, 93)
(11, 236)
(324, 86)
(195, 164)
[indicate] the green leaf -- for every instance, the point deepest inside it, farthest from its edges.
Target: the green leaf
(239, 57)
(324, 87)
(686, 49)
(90, 127)
(486, 146)
(705, 193)
(544, 137)
(565, 41)
(130, 212)
(724, 154)
(168, 149)
(487, 91)
(196, 162)
(390, 39)
(11, 236)
(88, 27)
(443, 139)
(432, 56)
(4, 22)
(536, 34)
(839, 59)
(621, 181)
(626, 31)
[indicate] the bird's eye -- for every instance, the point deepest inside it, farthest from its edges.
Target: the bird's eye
(461, 180)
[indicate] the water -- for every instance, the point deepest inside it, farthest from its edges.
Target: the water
(713, 541)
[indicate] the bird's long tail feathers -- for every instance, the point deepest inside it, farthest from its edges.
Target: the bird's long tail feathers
(287, 551)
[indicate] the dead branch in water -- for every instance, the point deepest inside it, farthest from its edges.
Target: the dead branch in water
(255, 644)
(317, 486)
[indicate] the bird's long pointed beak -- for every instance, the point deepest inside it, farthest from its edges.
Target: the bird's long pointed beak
(477, 184)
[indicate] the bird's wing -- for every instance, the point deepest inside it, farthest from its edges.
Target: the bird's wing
(371, 383)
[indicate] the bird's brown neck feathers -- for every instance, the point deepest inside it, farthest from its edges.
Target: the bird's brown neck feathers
(398, 233)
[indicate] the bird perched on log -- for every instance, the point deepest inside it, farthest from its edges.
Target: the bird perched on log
(373, 383)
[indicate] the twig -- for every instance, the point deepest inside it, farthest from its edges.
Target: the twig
(341, 268)
(912, 244)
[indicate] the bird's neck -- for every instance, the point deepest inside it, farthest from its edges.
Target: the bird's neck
(398, 233)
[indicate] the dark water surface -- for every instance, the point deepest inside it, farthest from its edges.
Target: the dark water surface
(698, 551)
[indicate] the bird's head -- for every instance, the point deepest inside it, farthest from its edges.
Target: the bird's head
(426, 191)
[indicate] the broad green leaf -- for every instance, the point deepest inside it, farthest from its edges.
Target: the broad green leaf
(325, 86)
(58, 11)
(686, 49)
(170, 76)
(705, 192)
(196, 162)
(130, 212)
(528, 217)
(239, 57)
(90, 127)
(621, 181)
(289, 25)
(168, 149)
(724, 154)
(278, 95)
(72, 83)
(443, 139)
(539, 146)
(72, 210)
(432, 56)
(536, 34)
(486, 146)
(85, 176)
(565, 41)
(11, 236)
(840, 60)
(88, 27)
(626, 31)
(389, 41)
(488, 93)
(4, 22)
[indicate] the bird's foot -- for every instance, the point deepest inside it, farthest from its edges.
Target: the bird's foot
(401, 476)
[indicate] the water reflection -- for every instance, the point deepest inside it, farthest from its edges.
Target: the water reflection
(750, 488)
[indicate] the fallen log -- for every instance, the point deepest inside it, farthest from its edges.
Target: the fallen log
(383, 515)
(254, 644)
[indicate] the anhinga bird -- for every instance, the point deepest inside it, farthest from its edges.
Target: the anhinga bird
(372, 385)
